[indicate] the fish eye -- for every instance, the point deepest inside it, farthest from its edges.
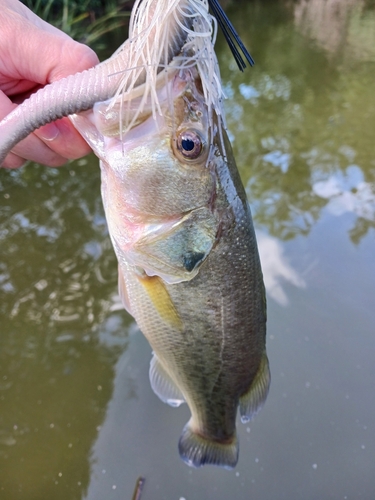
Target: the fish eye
(189, 144)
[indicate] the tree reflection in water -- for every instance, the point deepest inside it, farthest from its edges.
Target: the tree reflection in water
(305, 114)
(57, 280)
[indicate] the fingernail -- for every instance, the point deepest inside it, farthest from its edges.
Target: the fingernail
(48, 132)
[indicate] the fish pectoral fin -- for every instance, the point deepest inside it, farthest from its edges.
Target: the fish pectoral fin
(197, 450)
(163, 385)
(161, 300)
(123, 292)
(252, 401)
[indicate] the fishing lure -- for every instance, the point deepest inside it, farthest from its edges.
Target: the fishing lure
(231, 36)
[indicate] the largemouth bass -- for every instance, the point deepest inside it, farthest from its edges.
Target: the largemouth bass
(181, 227)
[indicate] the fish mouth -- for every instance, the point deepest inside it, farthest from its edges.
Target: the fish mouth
(123, 115)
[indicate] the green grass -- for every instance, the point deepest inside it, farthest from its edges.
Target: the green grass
(86, 21)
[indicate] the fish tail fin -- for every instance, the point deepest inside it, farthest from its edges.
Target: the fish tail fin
(197, 450)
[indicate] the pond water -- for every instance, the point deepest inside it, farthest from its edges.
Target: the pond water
(78, 419)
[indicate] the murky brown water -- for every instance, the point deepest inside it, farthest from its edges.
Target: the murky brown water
(78, 419)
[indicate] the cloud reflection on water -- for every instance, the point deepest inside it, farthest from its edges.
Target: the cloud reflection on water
(276, 268)
(348, 193)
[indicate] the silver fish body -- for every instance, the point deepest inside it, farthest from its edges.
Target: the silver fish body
(189, 269)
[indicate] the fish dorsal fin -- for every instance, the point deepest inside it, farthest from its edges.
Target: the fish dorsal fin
(161, 300)
(163, 385)
(252, 401)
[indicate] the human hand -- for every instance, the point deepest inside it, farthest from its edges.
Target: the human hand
(32, 54)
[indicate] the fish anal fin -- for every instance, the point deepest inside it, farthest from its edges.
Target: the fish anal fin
(252, 401)
(161, 300)
(197, 450)
(163, 385)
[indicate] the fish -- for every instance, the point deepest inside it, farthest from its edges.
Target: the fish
(182, 230)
